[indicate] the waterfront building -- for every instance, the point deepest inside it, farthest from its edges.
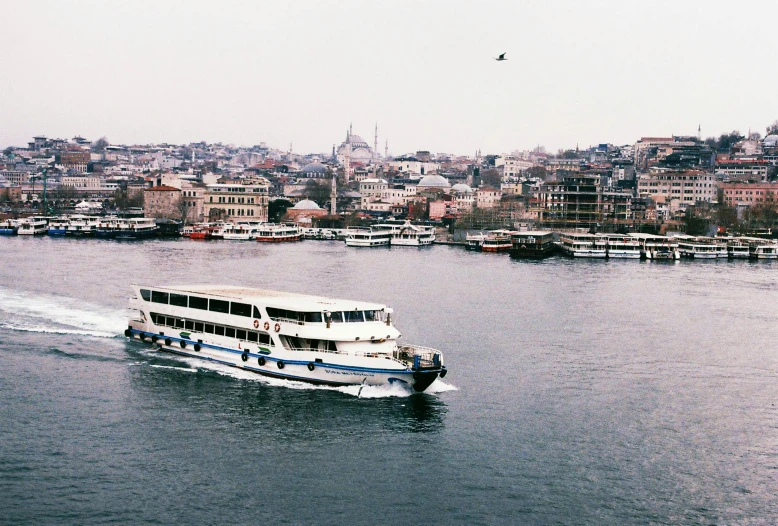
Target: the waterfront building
(750, 194)
(231, 202)
(688, 187)
(162, 202)
(581, 201)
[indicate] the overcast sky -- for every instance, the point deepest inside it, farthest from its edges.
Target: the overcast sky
(579, 72)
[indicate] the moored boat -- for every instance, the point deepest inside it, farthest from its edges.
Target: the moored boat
(410, 235)
(32, 226)
(579, 245)
(532, 244)
(136, 228)
(291, 336)
(475, 241)
(8, 227)
(498, 241)
(375, 236)
(620, 246)
(278, 233)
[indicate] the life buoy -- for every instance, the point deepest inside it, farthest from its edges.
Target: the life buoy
(197, 347)
(167, 341)
(280, 364)
(256, 324)
(267, 325)
(277, 327)
(311, 367)
(261, 360)
(244, 356)
(183, 344)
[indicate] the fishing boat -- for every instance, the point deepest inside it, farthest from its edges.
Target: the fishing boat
(291, 336)
(278, 233)
(532, 244)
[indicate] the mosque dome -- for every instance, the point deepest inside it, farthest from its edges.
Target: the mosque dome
(462, 188)
(358, 142)
(433, 181)
(316, 168)
(771, 141)
(306, 204)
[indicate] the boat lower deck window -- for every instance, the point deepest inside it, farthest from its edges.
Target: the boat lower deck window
(229, 332)
(219, 330)
(189, 325)
(240, 334)
(209, 328)
(198, 326)
(179, 324)
(253, 337)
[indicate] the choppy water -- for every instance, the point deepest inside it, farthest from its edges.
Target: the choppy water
(579, 392)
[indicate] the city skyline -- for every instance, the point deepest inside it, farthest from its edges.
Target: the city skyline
(299, 74)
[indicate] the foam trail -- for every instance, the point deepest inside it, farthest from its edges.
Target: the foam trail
(85, 318)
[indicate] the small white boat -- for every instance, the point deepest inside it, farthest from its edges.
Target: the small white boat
(32, 226)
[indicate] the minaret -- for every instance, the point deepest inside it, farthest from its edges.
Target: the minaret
(375, 143)
(334, 195)
(699, 132)
(347, 162)
(386, 149)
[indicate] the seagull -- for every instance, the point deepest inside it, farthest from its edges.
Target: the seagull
(501, 57)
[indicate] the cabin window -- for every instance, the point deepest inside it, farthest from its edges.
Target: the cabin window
(218, 330)
(209, 328)
(171, 322)
(253, 337)
(179, 300)
(179, 324)
(313, 317)
(257, 313)
(240, 309)
(198, 326)
(265, 339)
(371, 315)
(198, 303)
(353, 316)
(145, 294)
(219, 306)
(189, 325)
(229, 332)
(240, 334)
(337, 317)
(159, 297)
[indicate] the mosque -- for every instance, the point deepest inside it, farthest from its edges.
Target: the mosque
(361, 152)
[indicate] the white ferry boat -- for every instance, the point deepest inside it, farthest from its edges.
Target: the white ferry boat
(619, 246)
(136, 228)
(58, 226)
(32, 226)
(475, 241)
(375, 236)
(81, 226)
(243, 231)
(581, 246)
(409, 235)
(278, 233)
(737, 247)
(284, 335)
(657, 248)
(498, 241)
(698, 248)
(762, 249)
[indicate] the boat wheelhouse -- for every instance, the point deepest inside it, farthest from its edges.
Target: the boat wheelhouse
(32, 226)
(580, 245)
(278, 233)
(136, 228)
(375, 236)
(532, 244)
(8, 227)
(410, 235)
(619, 246)
(284, 335)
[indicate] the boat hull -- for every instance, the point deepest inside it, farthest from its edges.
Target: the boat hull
(283, 367)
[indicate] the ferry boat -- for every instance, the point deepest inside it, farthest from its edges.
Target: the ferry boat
(136, 228)
(81, 226)
(532, 244)
(475, 241)
(243, 231)
(738, 248)
(582, 246)
(278, 233)
(697, 248)
(8, 227)
(58, 226)
(291, 336)
(32, 226)
(762, 249)
(618, 246)
(409, 235)
(375, 236)
(498, 241)
(657, 248)
(107, 227)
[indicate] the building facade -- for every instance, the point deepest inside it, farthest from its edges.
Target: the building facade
(235, 202)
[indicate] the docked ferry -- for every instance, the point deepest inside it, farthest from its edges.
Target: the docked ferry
(8, 227)
(58, 226)
(32, 226)
(136, 228)
(291, 336)
(532, 244)
(278, 233)
(409, 235)
(618, 246)
(375, 236)
(498, 241)
(582, 246)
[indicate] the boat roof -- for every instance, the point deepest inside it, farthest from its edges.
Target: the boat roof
(274, 298)
(533, 233)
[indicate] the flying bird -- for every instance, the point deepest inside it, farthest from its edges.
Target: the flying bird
(501, 57)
